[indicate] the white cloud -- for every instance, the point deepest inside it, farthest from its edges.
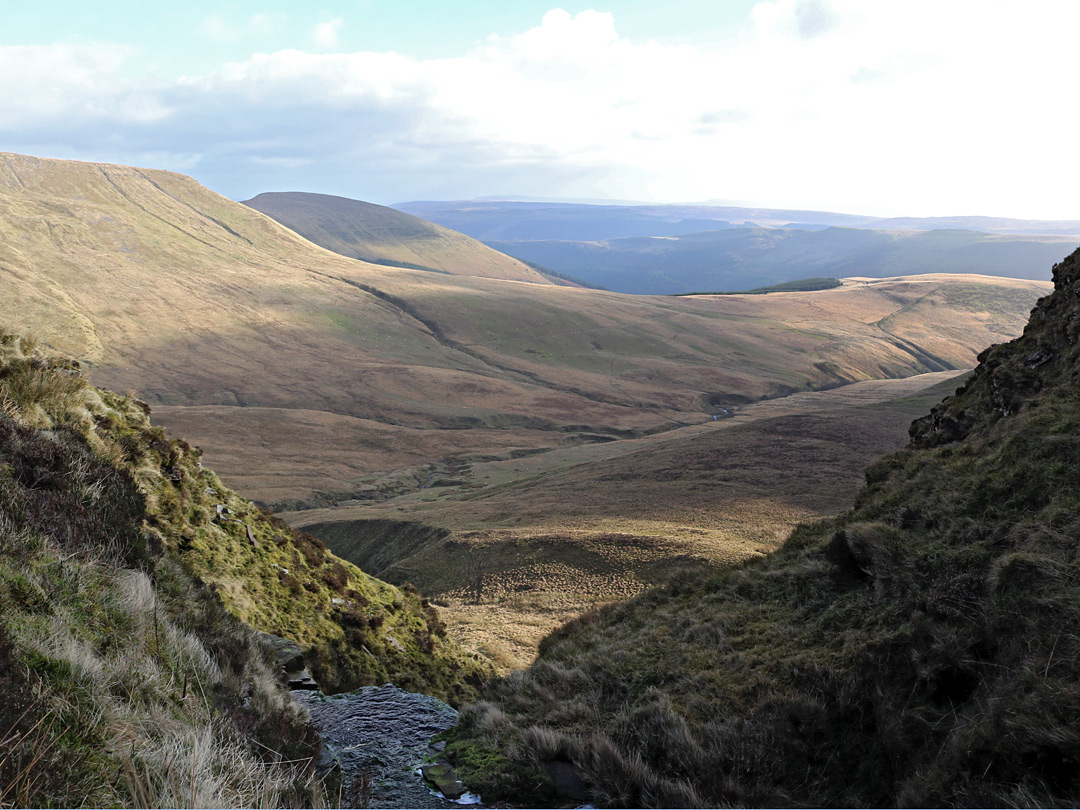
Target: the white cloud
(325, 34)
(912, 106)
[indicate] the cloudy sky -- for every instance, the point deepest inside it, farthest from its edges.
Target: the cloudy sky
(920, 107)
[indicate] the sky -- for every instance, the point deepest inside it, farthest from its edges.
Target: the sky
(882, 107)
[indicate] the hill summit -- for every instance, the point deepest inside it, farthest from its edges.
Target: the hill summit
(921, 649)
(380, 235)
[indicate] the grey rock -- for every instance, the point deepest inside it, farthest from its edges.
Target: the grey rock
(442, 776)
(382, 734)
(567, 781)
(302, 680)
(287, 654)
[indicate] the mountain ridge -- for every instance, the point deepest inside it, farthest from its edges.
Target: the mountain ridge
(381, 235)
(231, 325)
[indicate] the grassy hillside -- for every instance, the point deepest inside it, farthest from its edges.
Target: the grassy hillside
(922, 649)
(514, 548)
(123, 680)
(357, 630)
(381, 235)
(747, 258)
(313, 378)
(569, 366)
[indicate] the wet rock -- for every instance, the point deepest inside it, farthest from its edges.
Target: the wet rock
(443, 778)
(381, 735)
(567, 781)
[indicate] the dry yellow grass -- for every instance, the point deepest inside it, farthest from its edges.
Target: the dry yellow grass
(382, 235)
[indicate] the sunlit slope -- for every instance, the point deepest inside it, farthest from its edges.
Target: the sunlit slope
(198, 301)
(555, 366)
(381, 235)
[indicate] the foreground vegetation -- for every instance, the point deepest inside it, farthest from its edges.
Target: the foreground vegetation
(126, 676)
(922, 649)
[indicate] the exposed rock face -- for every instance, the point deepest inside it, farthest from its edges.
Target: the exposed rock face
(289, 656)
(1011, 375)
(442, 776)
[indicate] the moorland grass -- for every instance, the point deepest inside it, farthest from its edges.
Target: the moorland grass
(922, 649)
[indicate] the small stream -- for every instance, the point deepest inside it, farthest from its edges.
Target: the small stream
(384, 734)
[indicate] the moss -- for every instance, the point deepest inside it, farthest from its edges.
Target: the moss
(482, 766)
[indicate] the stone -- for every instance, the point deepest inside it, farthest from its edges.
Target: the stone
(567, 781)
(442, 777)
(287, 654)
(302, 680)
(381, 735)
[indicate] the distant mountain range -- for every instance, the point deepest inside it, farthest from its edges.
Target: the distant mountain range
(745, 258)
(513, 220)
(684, 248)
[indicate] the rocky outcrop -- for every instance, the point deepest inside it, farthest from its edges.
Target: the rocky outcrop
(1010, 376)
(290, 658)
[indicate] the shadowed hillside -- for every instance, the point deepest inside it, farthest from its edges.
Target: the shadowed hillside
(381, 235)
(922, 649)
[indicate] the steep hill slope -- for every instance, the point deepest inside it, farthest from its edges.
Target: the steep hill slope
(72, 453)
(381, 235)
(123, 681)
(923, 649)
(306, 371)
(744, 258)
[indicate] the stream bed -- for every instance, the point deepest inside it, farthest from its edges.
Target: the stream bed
(382, 734)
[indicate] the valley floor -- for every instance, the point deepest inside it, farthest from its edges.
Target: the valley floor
(512, 549)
